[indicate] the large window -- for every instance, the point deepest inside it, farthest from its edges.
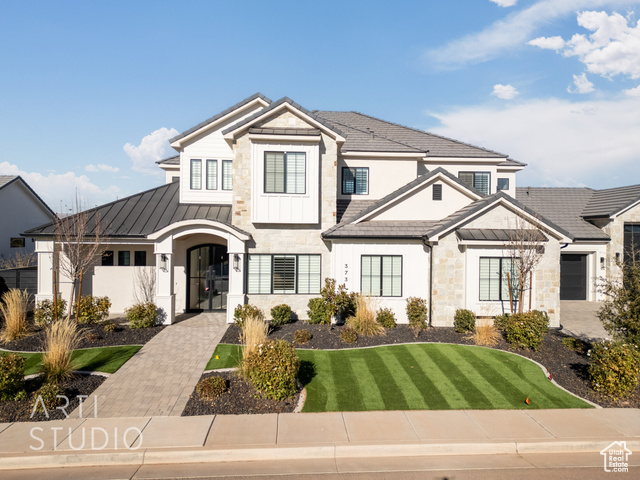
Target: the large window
(283, 274)
(355, 181)
(381, 275)
(212, 174)
(478, 180)
(631, 242)
(284, 172)
(196, 174)
(124, 258)
(495, 273)
(140, 258)
(227, 175)
(503, 184)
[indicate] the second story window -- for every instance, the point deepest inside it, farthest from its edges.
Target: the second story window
(355, 181)
(284, 172)
(503, 184)
(196, 174)
(478, 180)
(212, 174)
(227, 175)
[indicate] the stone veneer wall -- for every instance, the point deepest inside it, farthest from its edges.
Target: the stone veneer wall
(292, 239)
(448, 287)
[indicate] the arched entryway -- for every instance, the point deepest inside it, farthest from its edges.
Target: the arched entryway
(207, 277)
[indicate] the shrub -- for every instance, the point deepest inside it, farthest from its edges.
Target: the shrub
(364, 321)
(341, 302)
(11, 375)
(142, 315)
(301, 336)
(49, 393)
(614, 368)
(525, 330)
(243, 311)
(386, 318)
(417, 314)
(13, 306)
(90, 309)
(110, 326)
(575, 344)
(60, 340)
(45, 312)
(348, 335)
(320, 311)
(92, 337)
(281, 314)
(254, 333)
(273, 369)
(464, 321)
(486, 335)
(211, 388)
(500, 321)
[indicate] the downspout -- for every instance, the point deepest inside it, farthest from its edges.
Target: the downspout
(427, 244)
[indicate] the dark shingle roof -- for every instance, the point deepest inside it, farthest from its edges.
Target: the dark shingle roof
(175, 160)
(604, 203)
(382, 229)
(366, 133)
(501, 235)
(145, 213)
(564, 207)
(7, 179)
(219, 115)
(347, 208)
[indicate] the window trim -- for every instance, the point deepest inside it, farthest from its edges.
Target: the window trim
(193, 177)
(515, 300)
(354, 181)
(284, 183)
(213, 162)
(498, 189)
(474, 180)
(381, 274)
(297, 272)
(226, 162)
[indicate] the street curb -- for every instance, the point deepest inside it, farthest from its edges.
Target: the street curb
(159, 456)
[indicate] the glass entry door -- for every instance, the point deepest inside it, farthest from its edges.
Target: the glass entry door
(208, 277)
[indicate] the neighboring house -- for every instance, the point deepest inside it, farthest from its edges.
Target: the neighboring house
(267, 199)
(21, 209)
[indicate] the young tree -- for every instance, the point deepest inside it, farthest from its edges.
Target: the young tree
(145, 285)
(78, 238)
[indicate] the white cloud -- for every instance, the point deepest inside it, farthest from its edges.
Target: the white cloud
(594, 143)
(152, 148)
(582, 84)
(505, 3)
(505, 92)
(550, 43)
(633, 92)
(59, 189)
(511, 32)
(612, 49)
(101, 167)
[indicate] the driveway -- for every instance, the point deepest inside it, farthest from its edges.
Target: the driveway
(579, 319)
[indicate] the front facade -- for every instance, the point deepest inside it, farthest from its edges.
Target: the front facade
(266, 199)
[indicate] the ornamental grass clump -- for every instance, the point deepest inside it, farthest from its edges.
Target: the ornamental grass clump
(364, 320)
(486, 335)
(272, 368)
(61, 338)
(614, 368)
(464, 321)
(13, 306)
(254, 333)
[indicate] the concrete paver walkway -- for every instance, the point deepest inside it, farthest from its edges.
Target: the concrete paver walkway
(579, 319)
(158, 380)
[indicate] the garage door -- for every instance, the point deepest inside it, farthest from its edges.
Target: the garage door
(573, 277)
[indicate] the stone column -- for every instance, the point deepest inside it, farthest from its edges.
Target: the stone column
(165, 296)
(46, 265)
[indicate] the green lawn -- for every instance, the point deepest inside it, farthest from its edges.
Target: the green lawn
(102, 359)
(228, 356)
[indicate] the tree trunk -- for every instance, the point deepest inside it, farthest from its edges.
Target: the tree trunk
(55, 296)
(79, 297)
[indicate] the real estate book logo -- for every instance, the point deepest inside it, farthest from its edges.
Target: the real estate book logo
(616, 457)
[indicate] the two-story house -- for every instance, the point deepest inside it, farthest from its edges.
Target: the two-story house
(265, 200)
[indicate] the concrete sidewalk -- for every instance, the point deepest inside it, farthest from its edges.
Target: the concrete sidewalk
(240, 438)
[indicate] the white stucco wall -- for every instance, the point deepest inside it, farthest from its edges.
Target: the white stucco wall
(385, 175)
(120, 284)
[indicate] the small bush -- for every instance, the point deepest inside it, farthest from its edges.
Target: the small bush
(348, 335)
(142, 315)
(525, 330)
(211, 388)
(417, 314)
(575, 344)
(254, 333)
(464, 321)
(486, 335)
(500, 321)
(386, 318)
(614, 368)
(281, 314)
(11, 375)
(110, 326)
(90, 309)
(364, 321)
(341, 302)
(243, 311)
(49, 393)
(320, 311)
(13, 306)
(61, 338)
(45, 312)
(302, 336)
(92, 337)
(273, 369)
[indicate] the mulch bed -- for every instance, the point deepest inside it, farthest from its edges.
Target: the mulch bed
(240, 398)
(20, 411)
(568, 367)
(94, 336)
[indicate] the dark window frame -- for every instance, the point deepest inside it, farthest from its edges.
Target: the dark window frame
(297, 272)
(633, 230)
(488, 192)
(284, 182)
(355, 181)
(500, 281)
(504, 179)
(362, 257)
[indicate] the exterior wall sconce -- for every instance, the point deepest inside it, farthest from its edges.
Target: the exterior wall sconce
(601, 263)
(617, 256)
(236, 262)
(163, 262)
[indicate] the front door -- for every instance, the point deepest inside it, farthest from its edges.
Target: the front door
(208, 277)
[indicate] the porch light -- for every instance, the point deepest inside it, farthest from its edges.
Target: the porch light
(617, 256)
(163, 262)
(236, 262)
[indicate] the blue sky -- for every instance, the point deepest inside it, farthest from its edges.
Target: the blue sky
(91, 91)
